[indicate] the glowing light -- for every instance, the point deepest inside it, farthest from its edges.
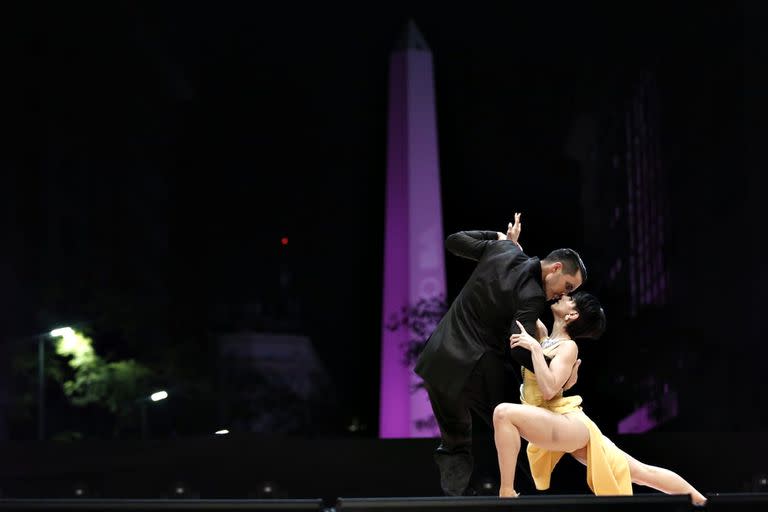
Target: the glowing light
(160, 395)
(222, 432)
(62, 332)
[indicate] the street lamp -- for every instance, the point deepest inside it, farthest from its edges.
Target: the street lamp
(157, 396)
(154, 397)
(61, 332)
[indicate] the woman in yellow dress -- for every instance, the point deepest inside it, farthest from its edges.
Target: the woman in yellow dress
(554, 425)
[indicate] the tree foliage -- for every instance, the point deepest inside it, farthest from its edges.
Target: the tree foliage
(114, 385)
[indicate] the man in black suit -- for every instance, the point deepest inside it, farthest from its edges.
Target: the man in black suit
(466, 362)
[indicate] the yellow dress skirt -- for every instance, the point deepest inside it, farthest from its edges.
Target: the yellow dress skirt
(607, 467)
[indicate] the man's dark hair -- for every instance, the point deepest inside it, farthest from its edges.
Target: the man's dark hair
(591, 320)
(571, 262)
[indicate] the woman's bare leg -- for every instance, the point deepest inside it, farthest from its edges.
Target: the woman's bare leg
(662, 479)
(507, 438)
(538, 426)
(654, 477)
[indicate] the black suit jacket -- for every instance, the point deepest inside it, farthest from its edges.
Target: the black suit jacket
(505, 286)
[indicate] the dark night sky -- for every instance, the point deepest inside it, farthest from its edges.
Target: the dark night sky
(174, 144)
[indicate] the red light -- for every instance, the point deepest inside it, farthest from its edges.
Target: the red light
(284, 240)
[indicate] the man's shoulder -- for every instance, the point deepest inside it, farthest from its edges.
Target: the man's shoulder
(522, 265)
(506, 252)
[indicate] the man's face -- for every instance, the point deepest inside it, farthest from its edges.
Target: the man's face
(556, 283)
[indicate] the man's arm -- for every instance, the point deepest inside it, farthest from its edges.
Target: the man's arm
(470, 244)
(527, 314)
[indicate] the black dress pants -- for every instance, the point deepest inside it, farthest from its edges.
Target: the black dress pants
(492, 381)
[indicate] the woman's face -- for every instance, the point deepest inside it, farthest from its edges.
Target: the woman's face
(563, 306)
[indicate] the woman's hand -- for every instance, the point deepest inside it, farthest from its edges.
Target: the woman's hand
(513, 230)
(524, 340)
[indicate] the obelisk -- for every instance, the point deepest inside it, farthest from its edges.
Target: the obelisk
(414, 262)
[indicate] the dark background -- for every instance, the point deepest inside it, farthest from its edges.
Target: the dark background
(158, 153)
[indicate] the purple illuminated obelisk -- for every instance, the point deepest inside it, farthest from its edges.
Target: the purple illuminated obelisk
(414, 263)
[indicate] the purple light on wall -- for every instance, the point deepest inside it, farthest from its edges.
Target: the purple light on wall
(646, 197)
(648, 416)
(414, 262)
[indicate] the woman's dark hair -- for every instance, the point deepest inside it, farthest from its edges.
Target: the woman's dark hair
(591, 320)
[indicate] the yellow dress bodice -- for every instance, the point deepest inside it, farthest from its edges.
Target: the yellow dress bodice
(607, 467)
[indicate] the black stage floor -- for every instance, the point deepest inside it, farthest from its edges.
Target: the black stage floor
(557, 503)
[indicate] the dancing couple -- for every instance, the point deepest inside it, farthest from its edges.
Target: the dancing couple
(466, 367)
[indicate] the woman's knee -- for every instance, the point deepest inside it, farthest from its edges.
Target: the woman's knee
(640, 473)
(504, 413)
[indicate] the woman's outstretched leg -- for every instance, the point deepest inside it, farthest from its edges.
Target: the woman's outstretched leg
(538, 426)
(662, 479)
(654, 477)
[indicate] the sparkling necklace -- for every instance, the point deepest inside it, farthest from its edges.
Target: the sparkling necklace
(550, 341)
